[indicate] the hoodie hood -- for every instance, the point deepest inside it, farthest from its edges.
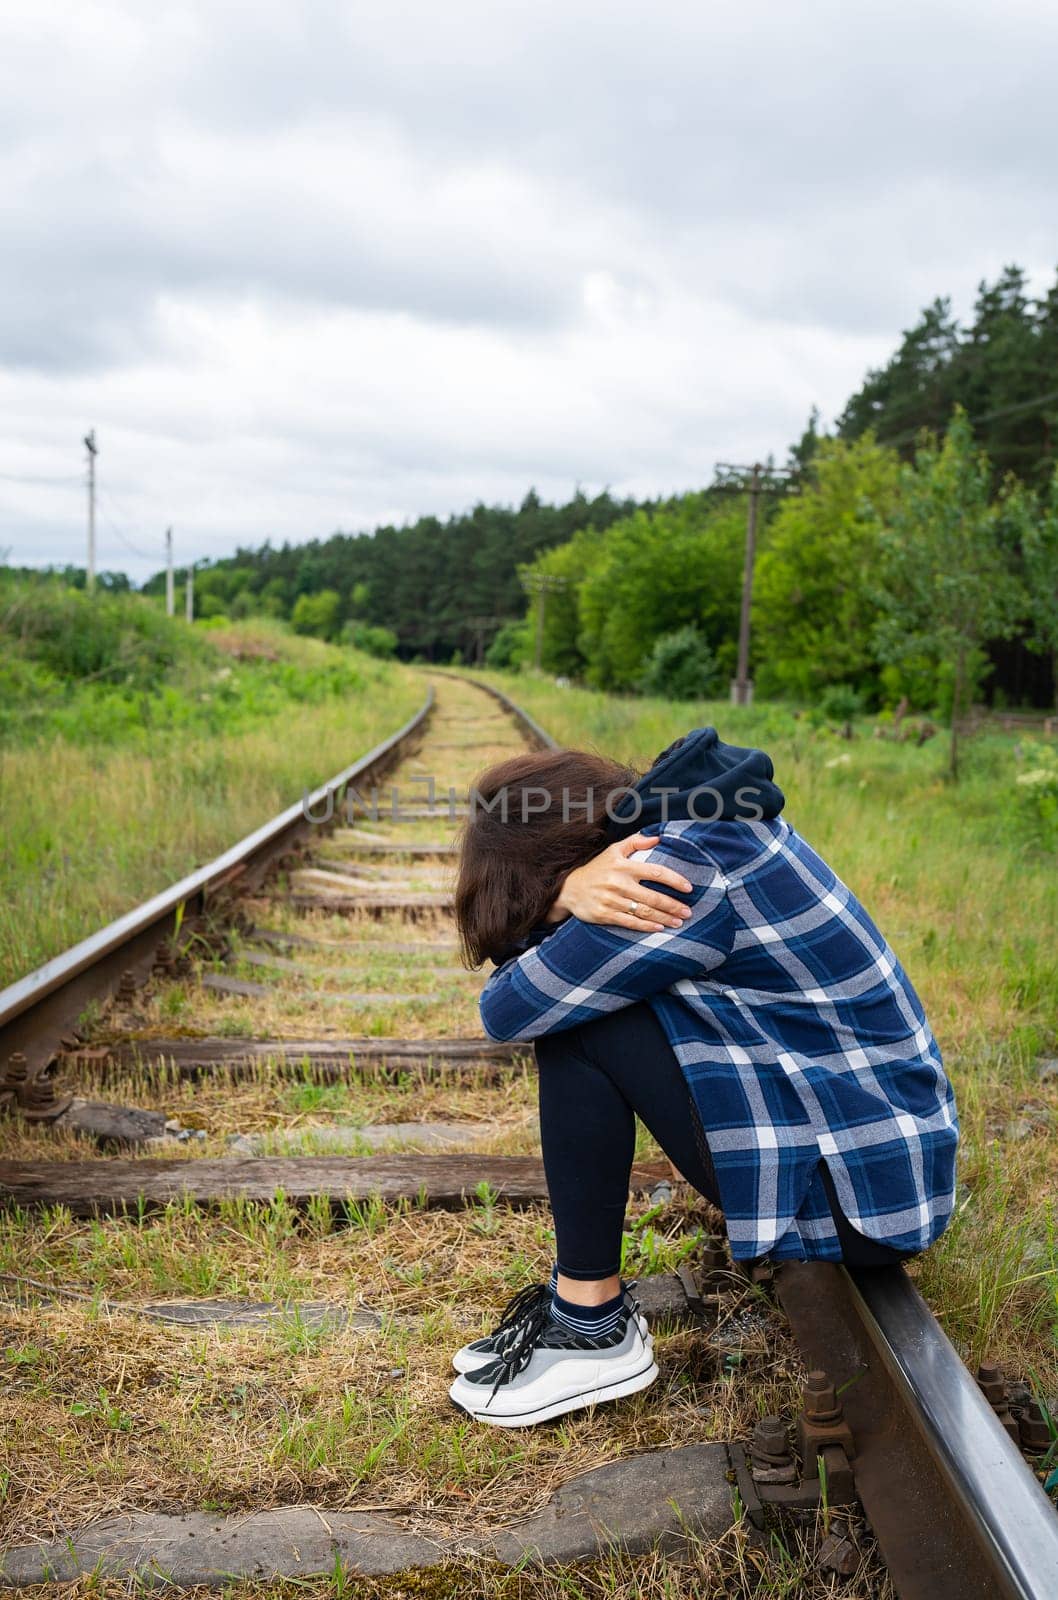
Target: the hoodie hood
(701, 778)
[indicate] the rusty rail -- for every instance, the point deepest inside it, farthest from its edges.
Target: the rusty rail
(957, 1512)
(37, 1010)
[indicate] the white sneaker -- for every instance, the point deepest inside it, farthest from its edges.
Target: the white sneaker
(481, 1352)
(547, 1370)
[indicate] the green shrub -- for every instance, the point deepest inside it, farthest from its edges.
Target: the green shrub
(840, 703)
(510, 647)
(372, 640)
(113, 670)
(1036, 793)
(317, 614)
(117, 638)
(681, 666)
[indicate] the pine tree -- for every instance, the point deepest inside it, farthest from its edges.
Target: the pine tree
(915, 389)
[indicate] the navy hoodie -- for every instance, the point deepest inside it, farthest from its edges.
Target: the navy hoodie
(700, 777)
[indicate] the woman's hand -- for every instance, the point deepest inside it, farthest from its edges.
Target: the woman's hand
(608, 890)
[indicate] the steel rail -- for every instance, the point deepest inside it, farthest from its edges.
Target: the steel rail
(957, 1512)
(536, 733)
(38, 1009)
(1004, 1506)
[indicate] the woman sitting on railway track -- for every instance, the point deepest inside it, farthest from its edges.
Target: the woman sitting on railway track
(678, 952)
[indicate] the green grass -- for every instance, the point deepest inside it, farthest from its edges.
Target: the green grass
(114, 670)
(93, 827)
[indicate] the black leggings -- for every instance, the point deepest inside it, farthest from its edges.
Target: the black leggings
(594, 1081)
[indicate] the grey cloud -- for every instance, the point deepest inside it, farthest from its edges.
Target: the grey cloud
(732, 144)
(85, 265)
(774, 190)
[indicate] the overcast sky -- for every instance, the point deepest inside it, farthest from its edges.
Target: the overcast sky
(306, 265)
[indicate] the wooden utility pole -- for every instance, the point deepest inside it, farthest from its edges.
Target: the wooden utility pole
(742, 686)
(540, 585)
(93, 451)
(170, 595)
(752, 481)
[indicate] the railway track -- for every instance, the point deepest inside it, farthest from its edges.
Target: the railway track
(234, 991)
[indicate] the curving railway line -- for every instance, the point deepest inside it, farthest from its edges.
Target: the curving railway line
(257, 961)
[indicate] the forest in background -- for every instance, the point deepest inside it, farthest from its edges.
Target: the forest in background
(893, 564)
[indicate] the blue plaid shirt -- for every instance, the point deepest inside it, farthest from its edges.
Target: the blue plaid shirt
(800, 1035)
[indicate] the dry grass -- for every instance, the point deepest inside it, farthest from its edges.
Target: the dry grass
(101, 1412)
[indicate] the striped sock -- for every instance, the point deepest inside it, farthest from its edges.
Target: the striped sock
(595, 1321)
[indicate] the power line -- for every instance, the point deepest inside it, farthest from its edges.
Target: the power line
(106, 502)
(985, 416)
(28, 477)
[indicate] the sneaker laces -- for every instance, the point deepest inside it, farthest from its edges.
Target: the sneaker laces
(518, 1352)
(521, 1306)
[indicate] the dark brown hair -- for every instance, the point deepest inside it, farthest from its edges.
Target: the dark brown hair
(533, 818)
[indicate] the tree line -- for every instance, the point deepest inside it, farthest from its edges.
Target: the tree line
(877, 580)
(913, 557)
(428, 590)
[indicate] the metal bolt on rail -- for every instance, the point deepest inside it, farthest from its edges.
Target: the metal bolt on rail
(991, 1380)
(41, 1102)
(823, 1433)
(770, 1454)
(1034, 1429)
(127, 987)
(767, 1474)
(15, 1073)
(164, 958)
(714, 1259)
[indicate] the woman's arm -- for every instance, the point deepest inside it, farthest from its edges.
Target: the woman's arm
(580, 971)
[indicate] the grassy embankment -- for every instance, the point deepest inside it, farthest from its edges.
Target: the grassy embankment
(132, 749)
(963, 882)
